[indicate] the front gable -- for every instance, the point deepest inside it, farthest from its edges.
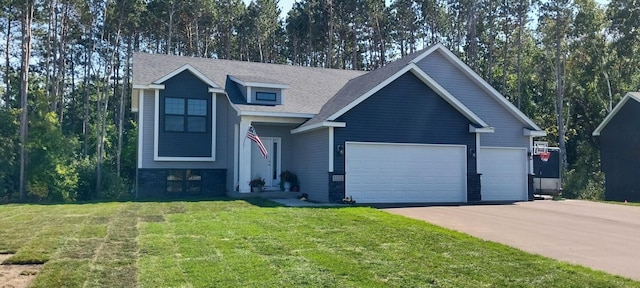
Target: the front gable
(405, 111)
(472, 91)
(185, 120)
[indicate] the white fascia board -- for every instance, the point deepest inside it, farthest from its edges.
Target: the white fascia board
(368, 94)
(148, 86)
(446, 95)
(613, 113)
(474, 129)
(140, 128)
(216, 90)
(424, 78)
(534, 133)
(501, 99)
(193, 71)
(259, 84)
(185, 159)
(276, 114)
(324, 124)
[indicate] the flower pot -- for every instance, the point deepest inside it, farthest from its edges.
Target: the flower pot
(256, 189)
(287, 186)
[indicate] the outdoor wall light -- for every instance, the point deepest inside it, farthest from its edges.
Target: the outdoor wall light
(340, 149)
(472, 152)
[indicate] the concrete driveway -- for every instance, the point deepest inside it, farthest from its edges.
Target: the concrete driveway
(597, 235)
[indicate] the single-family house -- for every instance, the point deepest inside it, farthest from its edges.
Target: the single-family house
(619, 137)
(424, 128)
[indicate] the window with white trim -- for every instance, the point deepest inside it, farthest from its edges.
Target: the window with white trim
(185, 115)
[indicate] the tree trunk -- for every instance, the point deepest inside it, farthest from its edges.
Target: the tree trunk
(7, 79)
(24, 88)
(519, 61)
(560, 90)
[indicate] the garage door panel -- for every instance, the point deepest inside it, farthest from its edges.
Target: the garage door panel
(393, 173)
(504, 174)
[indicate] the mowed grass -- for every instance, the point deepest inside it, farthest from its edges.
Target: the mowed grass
(259, 244)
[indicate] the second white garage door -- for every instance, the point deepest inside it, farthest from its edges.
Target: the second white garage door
(405, 173)
(504, 174)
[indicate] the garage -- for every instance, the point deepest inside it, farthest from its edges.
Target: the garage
(405, 173)
(504, 173)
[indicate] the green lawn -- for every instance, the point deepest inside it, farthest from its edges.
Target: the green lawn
(259, 244)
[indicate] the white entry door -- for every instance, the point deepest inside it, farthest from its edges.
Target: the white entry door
(269, 168)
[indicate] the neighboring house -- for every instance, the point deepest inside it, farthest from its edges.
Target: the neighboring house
(424, 128)
(619, 135)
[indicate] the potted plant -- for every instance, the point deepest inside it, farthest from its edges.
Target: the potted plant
(288, 180)
(257, 184)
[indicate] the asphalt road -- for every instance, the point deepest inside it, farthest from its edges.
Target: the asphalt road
(601, 236)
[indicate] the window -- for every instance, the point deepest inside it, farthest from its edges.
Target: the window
(264, 96)
(189, 181)
(185, 115)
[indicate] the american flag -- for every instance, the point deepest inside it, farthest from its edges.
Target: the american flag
(251, 134)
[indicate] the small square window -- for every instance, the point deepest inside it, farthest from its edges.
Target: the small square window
(173, 123)
(197, 107)
(265, 96)
(174, 106)
(197, 124)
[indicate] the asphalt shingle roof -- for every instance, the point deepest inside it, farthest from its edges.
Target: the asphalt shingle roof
(309, 88)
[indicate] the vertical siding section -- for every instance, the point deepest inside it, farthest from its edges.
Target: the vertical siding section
(619, 142)
(508, 129)
(311, 163)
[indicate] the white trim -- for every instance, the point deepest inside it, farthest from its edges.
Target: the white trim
(244, 158)
(236, 147)
(467, 70)
(413, 68)
(319, 125)
(530, 156)
(614, 112)
(331, 152)
(193, 71)
(140, 127)
(474, 129)
(216, 90)
(249, 96)
(534, 133)
(258, 84)
(148, 86)
(276, 114)
(156, 124)
(409, 144)
(279, 120)
(478, 153)
(156, 132)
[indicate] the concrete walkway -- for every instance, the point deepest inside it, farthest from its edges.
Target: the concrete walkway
(597, 235)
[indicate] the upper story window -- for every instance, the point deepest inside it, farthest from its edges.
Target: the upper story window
(185, 115)
(266, 96)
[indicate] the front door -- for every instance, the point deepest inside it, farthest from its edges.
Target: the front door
(269, 168)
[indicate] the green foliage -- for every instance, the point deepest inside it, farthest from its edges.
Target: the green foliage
(8, 156)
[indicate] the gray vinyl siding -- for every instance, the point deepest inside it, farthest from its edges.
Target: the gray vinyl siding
(405, 111)
(508, 128)
(232, 120)
(222, 157)
(311, 163)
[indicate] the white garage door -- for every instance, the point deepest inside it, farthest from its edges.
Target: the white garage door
(405, 173)
(504, 173)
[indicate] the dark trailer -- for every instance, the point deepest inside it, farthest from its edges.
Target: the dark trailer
(547, 178)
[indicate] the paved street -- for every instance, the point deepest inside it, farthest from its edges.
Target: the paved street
(601, 236)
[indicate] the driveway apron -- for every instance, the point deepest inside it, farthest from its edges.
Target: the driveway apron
(598, 235)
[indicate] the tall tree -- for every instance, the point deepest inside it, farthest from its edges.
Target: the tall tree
(27, 18)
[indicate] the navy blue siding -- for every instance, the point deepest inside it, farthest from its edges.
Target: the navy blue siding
(405, 111)
(184, 144)
(619, 142)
